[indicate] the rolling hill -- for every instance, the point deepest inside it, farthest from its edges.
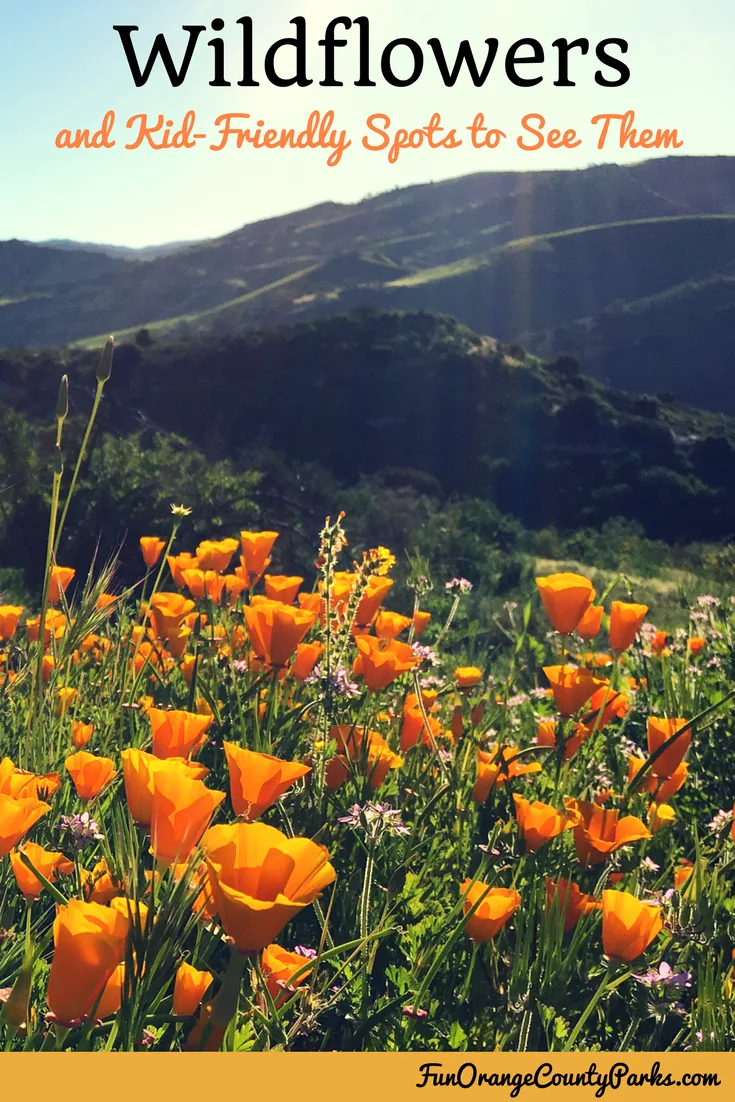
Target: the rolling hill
(628, 268)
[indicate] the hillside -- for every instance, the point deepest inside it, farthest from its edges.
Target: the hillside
(372, 393)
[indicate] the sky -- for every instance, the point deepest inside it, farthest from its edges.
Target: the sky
(62, 66)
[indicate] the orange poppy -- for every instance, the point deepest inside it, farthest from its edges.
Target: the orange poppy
(9, 617)
(380, 662)
(181, 812)
(467, 676)
(375, 593)
(139, 769)
(414, 729)
(167, 612)
(662, 788)
(497, 906)
(599, 832)
(89, 943)
(572, 687)
(178, 734)
(81, 733)
(546, 736)
(111, 1000)
(100, 885)
(625, 620)
(615, 707)
(494, 768)
(589, 626)
(660, 815)
(17, 817)
(89, 773)
(306, 657)
(55, 624)
(65, 697)
(177, 564)
(256, 547)
(47, 862)
(388, 625)
(258, 780)
(683, 872)
(628, 926)
(20, 784)
(696, 645)
(216, 554)
(279, 967)
(151, 548)
(573, 903)
(281, 587)
(538, 823)
(276, 630)
(421, 622)
(660, 731)
(59, 582)
(260, 879)
(566, 598)
(190, 987)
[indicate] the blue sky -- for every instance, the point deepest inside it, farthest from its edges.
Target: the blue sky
(62, 65)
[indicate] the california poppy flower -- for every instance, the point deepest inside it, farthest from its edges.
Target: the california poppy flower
(375, 593)
(538, 823)
(494, 767)
(9, 617)
(47, 862)
(546, 736)
(256, 547)
(380, 662)
(89, 773)
(625, 620)
(572, 687)
(662, 788)
(17, 816)
(282, 587)
(660, 816)
(181, 812)
(177, 564)
(497, 906)
(81, 733)
(190, 987)
(203, 583)
(216, 554)
(176, 733)
(139, 769)
(111, 1000)
(368, 752)
(599, 832)
(100, 885)
(683, 872)
(167, 612)
(388, 625)
(612, 705)
(260, 879)
(659, 643)
(65, 697)
(660, 731)
(55, 625)
(467, 676)
(572, 902)
(414, 728)
(279, 967)
(258, 780)
(21, 784)
(420, 622)
(234, 586)
(151, 548)
(306, 657)
(89, 943)
(628, 926)
(59, 582)
(589, 626)
(276, 630)
(566, 598)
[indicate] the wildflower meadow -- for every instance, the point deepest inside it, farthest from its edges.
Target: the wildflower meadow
(242, 810)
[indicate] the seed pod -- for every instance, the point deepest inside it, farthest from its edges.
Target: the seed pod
(104, 369)
(62, 402)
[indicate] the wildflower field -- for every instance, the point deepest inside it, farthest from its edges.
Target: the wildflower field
(244, 810)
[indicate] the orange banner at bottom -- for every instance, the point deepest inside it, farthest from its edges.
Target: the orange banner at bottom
(377, 1077)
